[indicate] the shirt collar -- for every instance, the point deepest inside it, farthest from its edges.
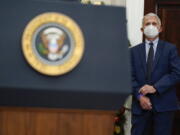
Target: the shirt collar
(154, 41)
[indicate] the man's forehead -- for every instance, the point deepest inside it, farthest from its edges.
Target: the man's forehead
(150, 19)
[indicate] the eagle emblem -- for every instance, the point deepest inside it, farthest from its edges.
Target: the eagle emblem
(52, 45)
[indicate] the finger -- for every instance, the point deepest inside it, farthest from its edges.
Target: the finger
(149, 108)
(147, 91)
(145, 106)
(151, 91)
(140, 90)
(145, 87)
(144, 92)
(149, 105)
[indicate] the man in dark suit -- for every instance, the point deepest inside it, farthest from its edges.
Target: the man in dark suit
(155, 71)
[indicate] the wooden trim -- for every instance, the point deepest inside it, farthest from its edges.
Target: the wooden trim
(168, 2)
(149, 6)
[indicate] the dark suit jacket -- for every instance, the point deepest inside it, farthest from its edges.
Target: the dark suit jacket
(165, 74)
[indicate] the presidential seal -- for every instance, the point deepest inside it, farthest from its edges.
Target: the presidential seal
(53, 44)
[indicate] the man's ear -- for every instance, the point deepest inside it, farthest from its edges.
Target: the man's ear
(161, 29)
(142, 29)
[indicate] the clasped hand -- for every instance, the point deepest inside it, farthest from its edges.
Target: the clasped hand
(145, 101)
(147, 89)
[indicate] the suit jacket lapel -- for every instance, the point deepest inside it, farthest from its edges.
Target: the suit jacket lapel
(142, 54)
(158, 53)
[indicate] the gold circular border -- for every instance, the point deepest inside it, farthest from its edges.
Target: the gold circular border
(68, 23)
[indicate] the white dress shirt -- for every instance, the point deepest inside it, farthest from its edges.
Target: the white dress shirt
(155, 43)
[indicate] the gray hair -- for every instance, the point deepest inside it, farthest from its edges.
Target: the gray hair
(151, 15)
